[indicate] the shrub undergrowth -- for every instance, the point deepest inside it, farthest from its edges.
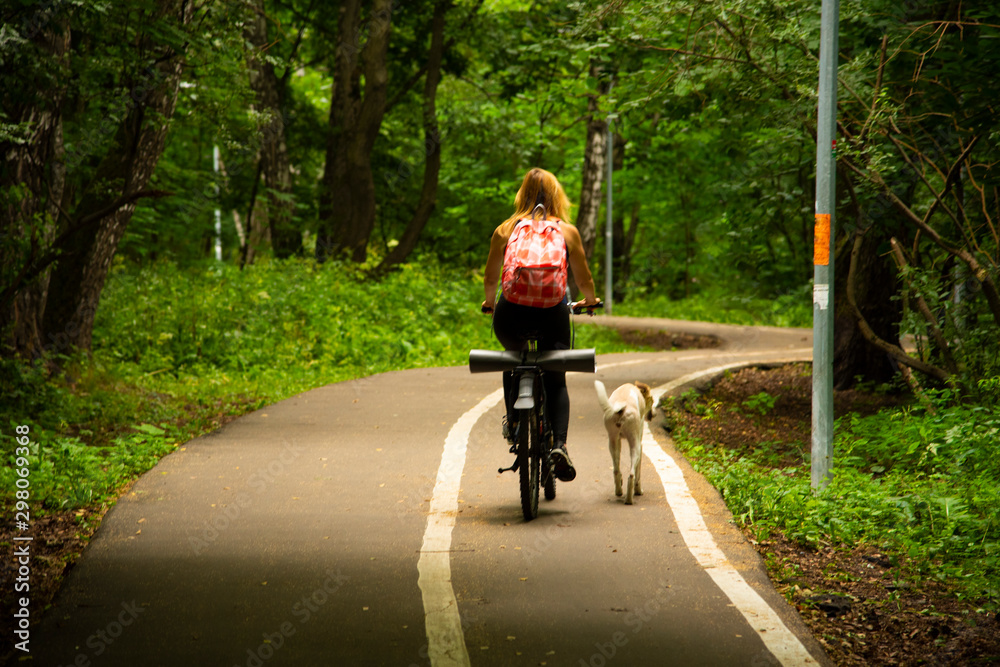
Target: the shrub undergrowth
(918, 483)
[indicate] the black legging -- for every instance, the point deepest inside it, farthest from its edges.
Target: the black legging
(512, 324)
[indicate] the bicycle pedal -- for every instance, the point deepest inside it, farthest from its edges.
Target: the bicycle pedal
(513, 468)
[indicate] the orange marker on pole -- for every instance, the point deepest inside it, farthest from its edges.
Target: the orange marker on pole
(821, 243)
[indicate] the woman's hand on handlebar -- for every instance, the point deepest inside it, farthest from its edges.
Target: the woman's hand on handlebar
(577, 307)
(587, 305)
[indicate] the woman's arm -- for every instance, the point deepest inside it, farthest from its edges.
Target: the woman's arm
(578, 263)
(494, 266)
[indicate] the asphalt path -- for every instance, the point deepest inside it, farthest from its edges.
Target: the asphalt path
(365, 523)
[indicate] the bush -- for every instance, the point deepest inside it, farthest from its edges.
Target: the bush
(919, 484)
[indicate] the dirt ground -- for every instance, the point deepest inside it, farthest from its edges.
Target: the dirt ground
(667, 340)
(58, 540)
(848, 596)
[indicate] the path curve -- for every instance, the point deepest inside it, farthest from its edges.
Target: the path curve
(296, 535)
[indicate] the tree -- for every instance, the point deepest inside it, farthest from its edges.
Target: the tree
(919, 135)
(275, 165)
(89, 192)
(432, 143)
(913, 115)
(33, 155)
(594, 163)
(347, 200)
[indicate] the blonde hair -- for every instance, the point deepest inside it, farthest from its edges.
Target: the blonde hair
(538, 187)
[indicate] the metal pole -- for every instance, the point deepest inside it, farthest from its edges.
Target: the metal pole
(608, 236)
(826, 162)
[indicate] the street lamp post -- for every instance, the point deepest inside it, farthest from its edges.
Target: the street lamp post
(826, 162)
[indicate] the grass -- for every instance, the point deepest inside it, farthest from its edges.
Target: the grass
(792, 309)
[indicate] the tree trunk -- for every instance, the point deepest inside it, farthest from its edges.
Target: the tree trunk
(623, 241)
(594, 164)
(432, 144)
(619, 241)
(258, 233)
(347, 196)
(689, 242)
(86, 250)
(286, 238)
(854, 357)
(892, 350)
(38, 167)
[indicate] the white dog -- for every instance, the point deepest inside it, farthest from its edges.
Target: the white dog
(624, 412)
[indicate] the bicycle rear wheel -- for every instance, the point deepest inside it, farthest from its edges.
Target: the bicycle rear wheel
(529, 456)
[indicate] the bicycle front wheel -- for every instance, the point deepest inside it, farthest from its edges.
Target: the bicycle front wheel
(529, 456)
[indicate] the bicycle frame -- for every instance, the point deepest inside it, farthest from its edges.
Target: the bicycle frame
(534, 430)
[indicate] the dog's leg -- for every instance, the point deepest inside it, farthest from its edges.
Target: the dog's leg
(635, 459)
(615, 447)
(637, 465)
(631, 471)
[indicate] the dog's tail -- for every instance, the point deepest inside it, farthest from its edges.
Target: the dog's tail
(602, 398)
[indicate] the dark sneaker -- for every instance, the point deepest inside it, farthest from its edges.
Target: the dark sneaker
(565, 472)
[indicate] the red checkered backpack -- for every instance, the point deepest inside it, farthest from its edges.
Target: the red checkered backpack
(535, 263)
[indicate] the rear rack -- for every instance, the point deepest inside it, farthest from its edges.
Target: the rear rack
(493, 361)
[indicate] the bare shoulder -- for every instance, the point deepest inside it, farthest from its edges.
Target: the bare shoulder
(571, 233)
(499, 239)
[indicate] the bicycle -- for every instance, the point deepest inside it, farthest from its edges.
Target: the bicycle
(533, 437)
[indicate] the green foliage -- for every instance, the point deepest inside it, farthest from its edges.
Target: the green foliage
(67, 473)
(761, 403)
(793, 309)
(281, 326)
(920, 485)
(322, 323)
(964, 322)
(953, 441)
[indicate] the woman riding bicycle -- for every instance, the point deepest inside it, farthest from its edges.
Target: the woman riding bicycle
(514, 323)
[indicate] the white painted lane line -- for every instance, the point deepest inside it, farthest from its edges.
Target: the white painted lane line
(778, 639)
(445, 638)
(797, 354)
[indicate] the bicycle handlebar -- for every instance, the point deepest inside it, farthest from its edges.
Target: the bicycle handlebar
(577, 308)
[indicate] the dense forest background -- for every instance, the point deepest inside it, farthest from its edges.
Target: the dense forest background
(372, 134)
